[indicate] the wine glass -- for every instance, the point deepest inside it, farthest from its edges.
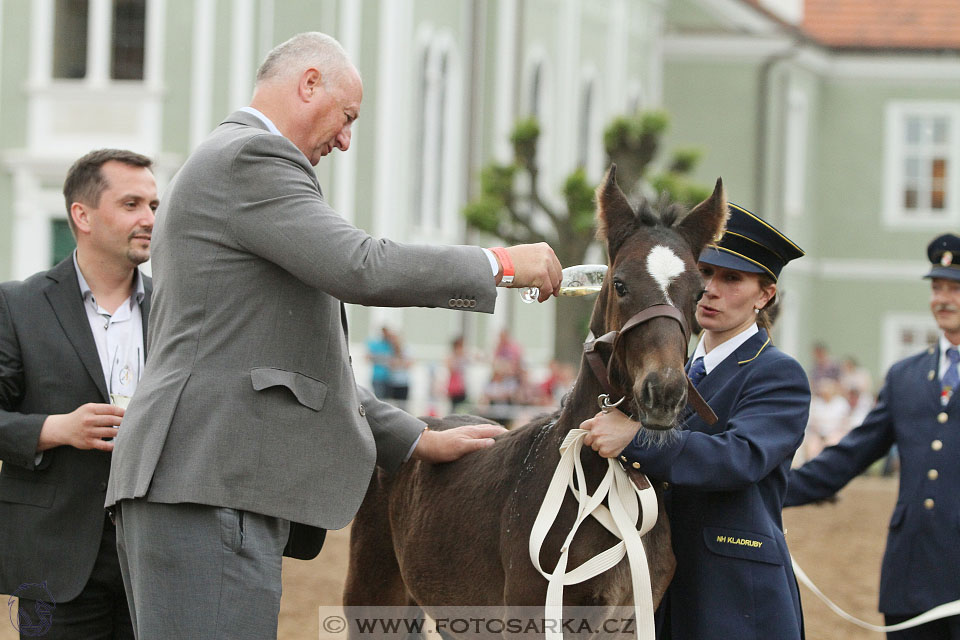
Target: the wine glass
(578, 280)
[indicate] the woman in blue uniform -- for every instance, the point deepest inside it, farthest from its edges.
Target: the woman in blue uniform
(726, 482)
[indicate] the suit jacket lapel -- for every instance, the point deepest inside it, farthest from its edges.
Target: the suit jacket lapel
(63, 294)
(145, 309)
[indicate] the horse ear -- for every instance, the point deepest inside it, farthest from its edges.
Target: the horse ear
(616, 219)
(706, 222)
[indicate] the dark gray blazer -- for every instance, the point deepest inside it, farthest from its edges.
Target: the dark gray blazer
(249, 400)
(51, 514)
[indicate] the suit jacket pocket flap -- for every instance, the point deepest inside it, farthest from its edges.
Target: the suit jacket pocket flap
(741, 544)
(38, 494)
(308, 391)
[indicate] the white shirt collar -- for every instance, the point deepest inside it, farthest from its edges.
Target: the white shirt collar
(272, 128)
(85, 292)
(944, 345)
(721, 351)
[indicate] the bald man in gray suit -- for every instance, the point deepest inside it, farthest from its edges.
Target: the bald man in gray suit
(248, 435)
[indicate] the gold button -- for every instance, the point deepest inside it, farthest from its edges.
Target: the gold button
(936, 445)
(928, 503)
(933, 474)
(942, 417)
(636, 465)
(930, 374)
(624, 458)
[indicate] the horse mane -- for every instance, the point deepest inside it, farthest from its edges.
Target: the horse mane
(665, 213)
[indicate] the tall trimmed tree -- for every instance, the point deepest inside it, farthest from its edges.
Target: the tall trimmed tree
(511, 205)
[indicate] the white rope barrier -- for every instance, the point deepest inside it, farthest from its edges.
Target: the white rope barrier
(627, 503)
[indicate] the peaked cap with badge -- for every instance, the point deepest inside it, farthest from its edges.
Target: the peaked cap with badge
(751, 244)
(944, 255)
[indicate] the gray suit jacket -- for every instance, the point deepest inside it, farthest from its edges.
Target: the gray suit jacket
(51, 514)
(249, 400)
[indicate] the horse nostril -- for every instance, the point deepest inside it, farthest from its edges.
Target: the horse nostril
(649, 392)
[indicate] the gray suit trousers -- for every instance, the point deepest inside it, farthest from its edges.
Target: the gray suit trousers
(197, 571)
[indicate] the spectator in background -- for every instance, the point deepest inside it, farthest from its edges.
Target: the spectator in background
(824, 366)
(559, 380)
(398, 385)
(457, 363)
(380, 352)
(855, 377)
(829, 418)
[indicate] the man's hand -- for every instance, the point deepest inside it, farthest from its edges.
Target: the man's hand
(535, 265)
(83, 428)
(452, 444)
(609, 433)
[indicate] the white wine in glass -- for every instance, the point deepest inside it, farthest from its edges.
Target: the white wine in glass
(578, 280)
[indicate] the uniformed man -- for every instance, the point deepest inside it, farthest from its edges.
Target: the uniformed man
(919, 411)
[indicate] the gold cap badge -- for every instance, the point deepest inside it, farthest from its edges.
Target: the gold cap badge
(946, 259)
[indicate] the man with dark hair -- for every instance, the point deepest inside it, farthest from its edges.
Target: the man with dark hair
(919, 411)
(71, 353)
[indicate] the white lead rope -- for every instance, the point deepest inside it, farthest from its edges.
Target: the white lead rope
(627, 503)
(942, 611)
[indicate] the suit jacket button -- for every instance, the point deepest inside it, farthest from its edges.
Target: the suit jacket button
(636, 465)
(928, 503)
(473, 303)
(942, 417)
(933, 474)
(936, 445)
(453, 302)
(363, 412)
(103, 486)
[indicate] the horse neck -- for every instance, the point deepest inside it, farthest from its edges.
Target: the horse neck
(581, 403)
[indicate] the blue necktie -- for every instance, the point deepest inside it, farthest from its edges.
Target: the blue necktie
(698, 370)
(950, 376)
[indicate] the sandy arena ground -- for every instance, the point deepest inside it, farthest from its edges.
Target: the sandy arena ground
(838, 545)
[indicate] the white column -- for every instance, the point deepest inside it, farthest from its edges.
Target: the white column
(31, 227)
(616, 62)
(505, 81)
(41, 42)
(201, 80)
(241, 54)
(99, 41)
(343, 193)
(154, 44)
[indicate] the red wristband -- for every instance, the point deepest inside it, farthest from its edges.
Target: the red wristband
(506, 263)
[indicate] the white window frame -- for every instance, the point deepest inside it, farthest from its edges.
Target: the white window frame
(894, 325)
(99, 42)
(894, 214)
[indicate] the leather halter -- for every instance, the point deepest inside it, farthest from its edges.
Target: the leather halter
(602, 371)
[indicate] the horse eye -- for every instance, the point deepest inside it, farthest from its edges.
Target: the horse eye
(620, 288)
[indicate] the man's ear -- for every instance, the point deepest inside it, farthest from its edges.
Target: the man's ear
(81, 216)
(310, 81)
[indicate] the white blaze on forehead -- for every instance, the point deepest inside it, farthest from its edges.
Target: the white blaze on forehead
(664, 266)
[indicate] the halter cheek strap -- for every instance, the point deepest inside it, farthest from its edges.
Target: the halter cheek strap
(603, 370)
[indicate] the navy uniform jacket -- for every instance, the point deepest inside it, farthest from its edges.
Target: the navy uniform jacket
(921, 566)
(727, 482)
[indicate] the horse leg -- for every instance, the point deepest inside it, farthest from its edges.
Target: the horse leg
(374, 587)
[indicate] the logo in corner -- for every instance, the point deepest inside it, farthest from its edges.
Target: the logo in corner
(34, 623)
